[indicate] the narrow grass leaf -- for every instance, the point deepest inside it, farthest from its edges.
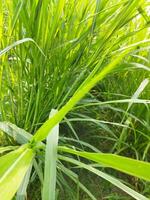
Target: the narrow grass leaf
(22, 192)
(8, 48)
(107, 177)
(75, 178)
(50, 163)
(7, 148)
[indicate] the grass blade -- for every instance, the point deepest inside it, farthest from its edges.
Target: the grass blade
(50, 163)
(22, 192)
(107, 177)
(7, 148)
(130, 166)
(9, 158)
(13, 176)
(19, 135)
(8, 48)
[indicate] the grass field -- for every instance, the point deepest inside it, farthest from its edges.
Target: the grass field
(74, 99)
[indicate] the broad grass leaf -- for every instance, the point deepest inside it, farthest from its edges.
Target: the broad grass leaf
(130, 166)
(17, 163)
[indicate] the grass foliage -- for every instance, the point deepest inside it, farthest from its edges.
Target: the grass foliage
(89, 60)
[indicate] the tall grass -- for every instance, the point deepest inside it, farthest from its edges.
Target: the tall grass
(52, 54)
(33, 84)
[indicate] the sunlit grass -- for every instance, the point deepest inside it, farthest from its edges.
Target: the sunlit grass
(52, 54)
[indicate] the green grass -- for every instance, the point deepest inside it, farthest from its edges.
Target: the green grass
(34, 84)
(52, 54)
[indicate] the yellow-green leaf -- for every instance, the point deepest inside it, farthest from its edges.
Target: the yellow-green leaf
(15, 171)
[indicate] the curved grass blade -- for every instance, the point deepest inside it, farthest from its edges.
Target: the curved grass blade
(128, 121)
(107, 177)
(130, 166)
(8, 48)
(120, 101)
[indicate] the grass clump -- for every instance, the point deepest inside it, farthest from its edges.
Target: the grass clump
(53, 54)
